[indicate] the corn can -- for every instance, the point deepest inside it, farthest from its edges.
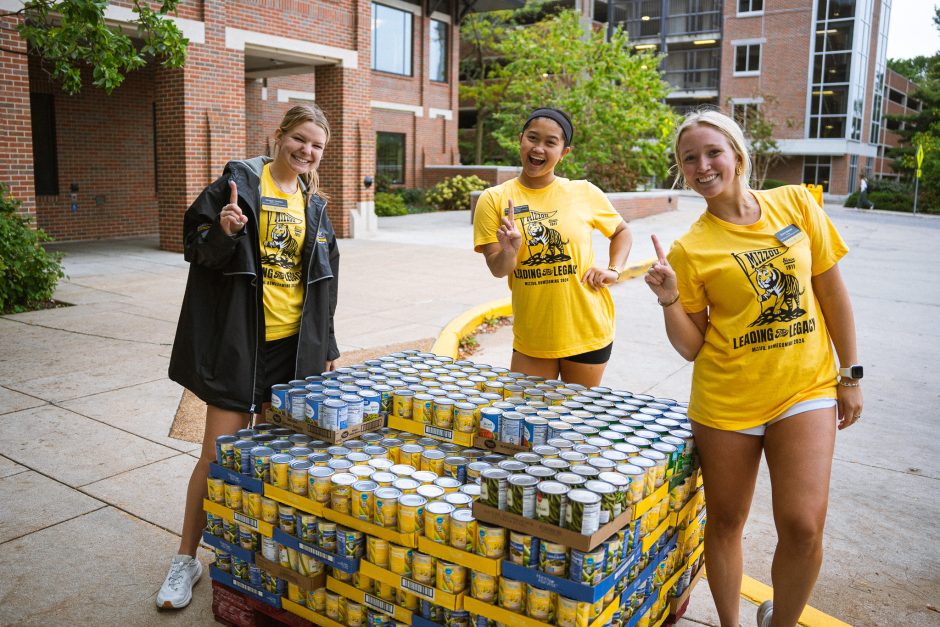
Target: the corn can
(319, 482)
(402, 402)
(251, 503)
(400, 560)
(217, 491)
(572, 613)
(355, 614)
(232, 495)
(462, 530)
(437, 522)
(483, 587)
(512, 595)
(377, 551)
(411, 513)
(422, 408)
(540, 604)
(423, 568)
(363, 499)
(341, 492)
(385, 508)
(451, 577)
(490, 541)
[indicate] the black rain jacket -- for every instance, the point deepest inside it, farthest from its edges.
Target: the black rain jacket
(220, 336)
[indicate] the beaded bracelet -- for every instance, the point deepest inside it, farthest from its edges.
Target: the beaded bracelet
(672, 302)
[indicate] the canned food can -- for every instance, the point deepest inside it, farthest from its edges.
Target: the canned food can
(341, 492)
(333, 414)
(582, 512)
(444, 412)
(319, 482)
(278, 469)
(540, 604)
(462, 530)
(355, 615)
(493, 487)
(350, 542)
(333, 611)
(406, 485)
(377, 551)
(483, 587)
(363, 500)
(611, 504)
(223, 560)
(286, 520)
(465, 417)
(535, 431)
(411, 513)
(511, 427)
(402, 403)
(474, 469)
(489, 422)
(214, 525)
(423, 568)
(553, 559)
(306, 526)
(385, 508)
(232, 495)
(520, 497)
(512, 595)
(326, 536)
(217, 491)
(422, 408)
(490, 541)
(410, 454)
(400, 560)
(280, 405)
(451, 577)
(437, 522)
(587, 567)
(239, 568)
(523, 549)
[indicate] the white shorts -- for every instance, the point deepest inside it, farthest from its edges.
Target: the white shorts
(798, 408)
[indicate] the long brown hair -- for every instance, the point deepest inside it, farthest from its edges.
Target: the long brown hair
(300, 114)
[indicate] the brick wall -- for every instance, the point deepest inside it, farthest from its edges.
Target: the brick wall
(105, 147)
(16, 149)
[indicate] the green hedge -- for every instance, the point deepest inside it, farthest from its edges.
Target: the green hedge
(453, 194)
(28, 272)
(388, 204)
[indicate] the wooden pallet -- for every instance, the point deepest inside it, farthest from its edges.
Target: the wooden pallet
(234, 609)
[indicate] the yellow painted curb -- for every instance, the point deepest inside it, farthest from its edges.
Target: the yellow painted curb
(449, 338)
(757, 592)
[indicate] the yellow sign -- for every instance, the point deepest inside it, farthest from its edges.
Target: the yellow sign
(920, 157)
(918, 172)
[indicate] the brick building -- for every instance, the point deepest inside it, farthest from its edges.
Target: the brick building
(823, 62)
(96, 166)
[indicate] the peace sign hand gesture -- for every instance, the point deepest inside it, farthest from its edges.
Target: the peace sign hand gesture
(231, 219)
(509, 237)
(661, 278)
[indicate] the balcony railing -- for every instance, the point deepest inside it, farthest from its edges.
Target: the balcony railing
(693, 70)
(693, 80)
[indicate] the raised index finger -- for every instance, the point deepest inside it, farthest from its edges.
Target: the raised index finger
(233, 197)
(659, 250)
(512, 214)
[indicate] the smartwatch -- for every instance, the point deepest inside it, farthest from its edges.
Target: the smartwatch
(852, 372)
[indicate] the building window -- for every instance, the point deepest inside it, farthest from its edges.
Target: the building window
(390, 157)
(744, 113)
(438, 69)
(391, 40)
(45, 154)
(750, 6)
(747, 59)
(816, 170)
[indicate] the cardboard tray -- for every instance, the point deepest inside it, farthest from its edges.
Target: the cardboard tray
(552, 533)
(496, 446)
(400, 614)
(299, 610)
(420, 428)
(568, 588)
(446, 600)
(236, 478)
(227, 547)
(231, 515)
(345, 564)
(296, 501)
(507, 617)
(303, 582)
(485, 565)
(244, 587)
(328, 435)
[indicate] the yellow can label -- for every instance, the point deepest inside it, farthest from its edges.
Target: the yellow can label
(410, 518)
(451, 578)
(268, 510)
(540, 604)
(216, 490)
(490, 541)
(362, 504)
(423, 568)
(252, 504)
(421, 410)
(399, 560)
(464, 420)
(511, 594)
(437, 527)
(401, 405)
(483, 587)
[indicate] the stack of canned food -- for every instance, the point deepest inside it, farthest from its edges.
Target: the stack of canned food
(594, 453)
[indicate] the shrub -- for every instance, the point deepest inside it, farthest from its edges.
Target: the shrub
(387, 204)
(773, 183)
(453, 194)
(412, 195)
(852, 200)
(29, 272)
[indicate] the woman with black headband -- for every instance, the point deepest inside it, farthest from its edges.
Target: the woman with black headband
(536, 229)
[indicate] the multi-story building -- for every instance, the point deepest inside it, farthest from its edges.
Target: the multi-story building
(94, 166)
(898, 101)
(816, 67)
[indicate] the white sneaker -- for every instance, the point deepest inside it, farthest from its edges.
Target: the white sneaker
(765, 614)
(177, 589)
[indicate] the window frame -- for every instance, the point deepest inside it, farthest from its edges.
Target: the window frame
(408, 44)
(445, 53)
(747, 45)
(752, 12)
(381, 169)
(744, 103)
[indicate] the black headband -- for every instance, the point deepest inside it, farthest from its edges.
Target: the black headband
(557, 116)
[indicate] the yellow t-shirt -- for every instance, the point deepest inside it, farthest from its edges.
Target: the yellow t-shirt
(554, 315)
(766, 345)
(282, 230)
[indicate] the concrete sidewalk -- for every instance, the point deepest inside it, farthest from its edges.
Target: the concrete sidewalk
(92, 486)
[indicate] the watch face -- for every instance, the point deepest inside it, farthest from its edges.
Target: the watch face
(857, 372)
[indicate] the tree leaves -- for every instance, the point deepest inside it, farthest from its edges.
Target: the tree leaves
(69, 34)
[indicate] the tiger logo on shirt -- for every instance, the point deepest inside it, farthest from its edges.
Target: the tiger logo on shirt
(284, 246)
(785, 288)
(545, 244)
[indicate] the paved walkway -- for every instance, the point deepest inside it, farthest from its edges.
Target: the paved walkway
(91, 485)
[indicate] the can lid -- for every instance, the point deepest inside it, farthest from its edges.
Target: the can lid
(446, 482)
(553, 487)
(281, 458)
(456, 460)
(439, 507)
(300, 464)
(344, 478)
(613, 478)
(458, 499)
(629, 469)
(262, 451)
(462, 515)
(642, 462)
(406, 484)
(523, 480)
(541, 472)
(495, 473)
(387, 493)
(585, 497)
(412, 500)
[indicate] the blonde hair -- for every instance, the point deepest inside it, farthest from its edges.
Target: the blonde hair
(727, 127)
(295, 116)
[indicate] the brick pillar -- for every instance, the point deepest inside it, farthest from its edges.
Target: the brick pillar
(16, 146)
(200, 122)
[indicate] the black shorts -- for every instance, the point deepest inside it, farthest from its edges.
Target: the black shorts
(278, 365)
(595, 357)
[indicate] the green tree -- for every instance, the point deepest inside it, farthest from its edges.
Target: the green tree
(922, 129)
(614, 97)
(759, 129)
(68, 34)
